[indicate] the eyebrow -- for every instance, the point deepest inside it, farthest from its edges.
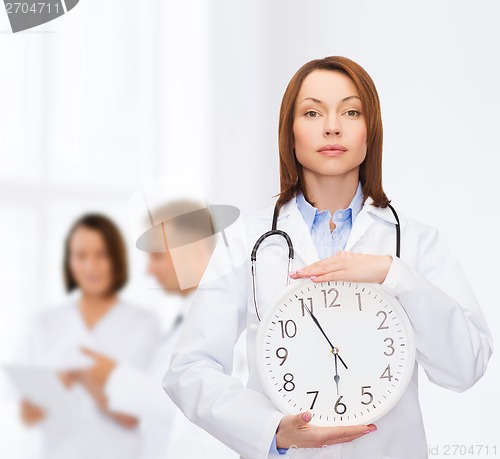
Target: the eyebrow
(345, 99)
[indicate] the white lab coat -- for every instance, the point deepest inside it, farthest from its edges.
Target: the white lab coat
(126, 334)
(452, 338)
(167, 433)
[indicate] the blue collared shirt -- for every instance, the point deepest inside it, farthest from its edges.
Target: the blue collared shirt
(327, 242)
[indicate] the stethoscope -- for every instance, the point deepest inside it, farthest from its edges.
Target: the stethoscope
(277, 232)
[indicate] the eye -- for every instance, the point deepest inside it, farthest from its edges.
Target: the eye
(352, 113)
(102, 254)
(311, 114)
(78, 255)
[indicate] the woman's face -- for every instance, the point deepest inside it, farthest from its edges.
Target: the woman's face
(329, 125)
(89, 262)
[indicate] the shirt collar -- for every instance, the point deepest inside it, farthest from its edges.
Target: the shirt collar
(309, 212)
(357, 202)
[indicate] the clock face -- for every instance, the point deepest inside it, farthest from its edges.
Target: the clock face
(342, 350)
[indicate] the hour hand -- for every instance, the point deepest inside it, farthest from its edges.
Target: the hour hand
(336, 377)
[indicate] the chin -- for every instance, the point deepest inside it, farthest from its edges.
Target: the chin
(170, 286)
(332, 171)
(335, 168)
(332, 166)
(98, 291)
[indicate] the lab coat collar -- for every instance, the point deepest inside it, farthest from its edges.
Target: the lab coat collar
(291, 221)
(365, 219)
(385, 213)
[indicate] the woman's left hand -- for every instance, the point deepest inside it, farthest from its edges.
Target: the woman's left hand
(99, 373)
(94, 380)
(347, 266)
(95, 377)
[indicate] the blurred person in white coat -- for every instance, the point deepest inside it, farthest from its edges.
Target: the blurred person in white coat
(334, 209)
(96, 318)
(167, 432)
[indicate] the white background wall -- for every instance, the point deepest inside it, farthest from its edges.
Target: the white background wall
(117, 93)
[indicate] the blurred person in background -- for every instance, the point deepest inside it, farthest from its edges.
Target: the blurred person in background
(95, 319)
(168, 433)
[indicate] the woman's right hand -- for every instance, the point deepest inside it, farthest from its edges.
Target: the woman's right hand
(295, 432)
(31, 414)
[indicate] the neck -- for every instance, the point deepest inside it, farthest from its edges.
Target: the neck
(330, 193)
(94, 307)
(93, 302)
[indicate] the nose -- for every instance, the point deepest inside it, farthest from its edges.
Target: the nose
(332, 126)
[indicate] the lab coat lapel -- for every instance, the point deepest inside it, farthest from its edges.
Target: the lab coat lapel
(293, 223)
(362, 224)
(364, 221)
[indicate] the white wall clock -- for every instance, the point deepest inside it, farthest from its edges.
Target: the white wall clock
(342, 350)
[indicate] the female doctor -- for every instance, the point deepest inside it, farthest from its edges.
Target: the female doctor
(333, 207)
(97, 318)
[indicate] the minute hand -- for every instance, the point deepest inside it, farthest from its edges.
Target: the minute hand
(324, 334)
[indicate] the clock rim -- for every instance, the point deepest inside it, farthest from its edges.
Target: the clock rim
(297, 285)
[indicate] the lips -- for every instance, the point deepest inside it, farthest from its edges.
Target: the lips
(333, 148)
(332, 151)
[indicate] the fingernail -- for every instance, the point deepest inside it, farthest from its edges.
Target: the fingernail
(313, 277)
(372, 428)
(306, 417)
